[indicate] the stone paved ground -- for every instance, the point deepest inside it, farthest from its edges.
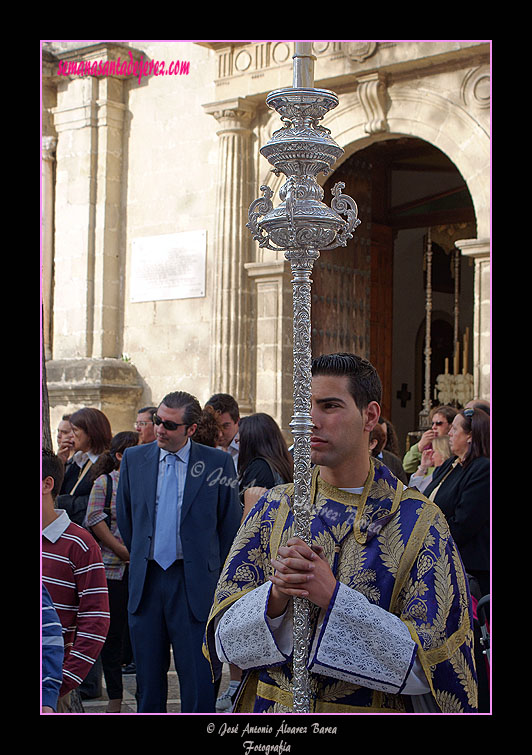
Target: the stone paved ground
(129, 705)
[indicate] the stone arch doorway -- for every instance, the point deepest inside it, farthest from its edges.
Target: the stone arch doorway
(369, 297)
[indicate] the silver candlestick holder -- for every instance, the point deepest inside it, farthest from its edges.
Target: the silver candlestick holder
(300, 226)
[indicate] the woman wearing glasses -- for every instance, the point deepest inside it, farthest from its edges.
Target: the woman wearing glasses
(461, 489)
(440, 424)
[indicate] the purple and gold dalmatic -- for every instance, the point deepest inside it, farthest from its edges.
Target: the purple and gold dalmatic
(391, 545)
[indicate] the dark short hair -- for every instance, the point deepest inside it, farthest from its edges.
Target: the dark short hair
(224, 402)
(363, 380)
(186, 401)
(150, 409)
(96, 425)
(378, 433)
(447, 411)
(52, 466)
(107, 462)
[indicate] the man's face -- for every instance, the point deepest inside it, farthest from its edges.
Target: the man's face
(64, 433)
(145, 427)
(341, 431)
(172, 440)
(229, 429)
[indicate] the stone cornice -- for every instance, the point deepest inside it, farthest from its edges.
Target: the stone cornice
(253, 69)
(479, 248)
(269, 268)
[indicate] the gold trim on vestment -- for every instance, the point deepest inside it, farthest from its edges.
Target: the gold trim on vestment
(411, 552)
(344, 496)
(275, 695)
(278, 527)
(450, 646)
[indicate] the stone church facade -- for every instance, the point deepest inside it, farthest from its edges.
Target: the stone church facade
(151, 281)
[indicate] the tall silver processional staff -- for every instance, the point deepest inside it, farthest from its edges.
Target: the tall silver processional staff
(301, 226)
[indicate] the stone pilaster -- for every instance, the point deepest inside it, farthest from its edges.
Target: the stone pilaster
(47, 242)
(89, 120)
(75, 123)
(48, 147)
(232, 338)
(479, 250)
(273, 354)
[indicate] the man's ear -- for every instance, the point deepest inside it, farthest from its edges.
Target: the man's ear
(371, 414)
(48, 485)
(192, 429)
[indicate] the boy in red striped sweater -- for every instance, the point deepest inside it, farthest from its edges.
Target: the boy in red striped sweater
(73, 572)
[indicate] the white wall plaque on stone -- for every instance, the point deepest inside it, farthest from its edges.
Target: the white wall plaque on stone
(171, 266)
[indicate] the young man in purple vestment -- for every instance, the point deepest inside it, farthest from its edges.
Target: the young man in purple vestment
(391, 627)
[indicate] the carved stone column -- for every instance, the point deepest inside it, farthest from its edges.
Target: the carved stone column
(107, 336)
(88, 118)
(479, 250)
(48, 147)
(47, 190)
(75, 123)
(232, 338)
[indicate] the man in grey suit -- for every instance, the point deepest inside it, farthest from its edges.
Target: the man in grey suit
(178, 513)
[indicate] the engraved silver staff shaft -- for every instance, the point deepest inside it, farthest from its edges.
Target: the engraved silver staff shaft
(301, 425)
(300, 226)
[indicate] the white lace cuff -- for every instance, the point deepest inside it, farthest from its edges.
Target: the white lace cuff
(243, 634)
(361, 643)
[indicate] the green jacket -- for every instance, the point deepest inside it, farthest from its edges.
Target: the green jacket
(412, 460)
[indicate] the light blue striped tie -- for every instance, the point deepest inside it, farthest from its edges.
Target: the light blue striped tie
(165, 547)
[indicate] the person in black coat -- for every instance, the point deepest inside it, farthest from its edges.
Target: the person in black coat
(377, 442)
(264, 460)
(461, 489)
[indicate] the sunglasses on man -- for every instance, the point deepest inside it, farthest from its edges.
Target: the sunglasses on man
(167, 424)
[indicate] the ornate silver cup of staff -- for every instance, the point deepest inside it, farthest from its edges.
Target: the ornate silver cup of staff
(301, 226)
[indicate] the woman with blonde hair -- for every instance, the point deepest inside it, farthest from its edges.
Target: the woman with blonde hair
(431, 459)
(440, 420)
